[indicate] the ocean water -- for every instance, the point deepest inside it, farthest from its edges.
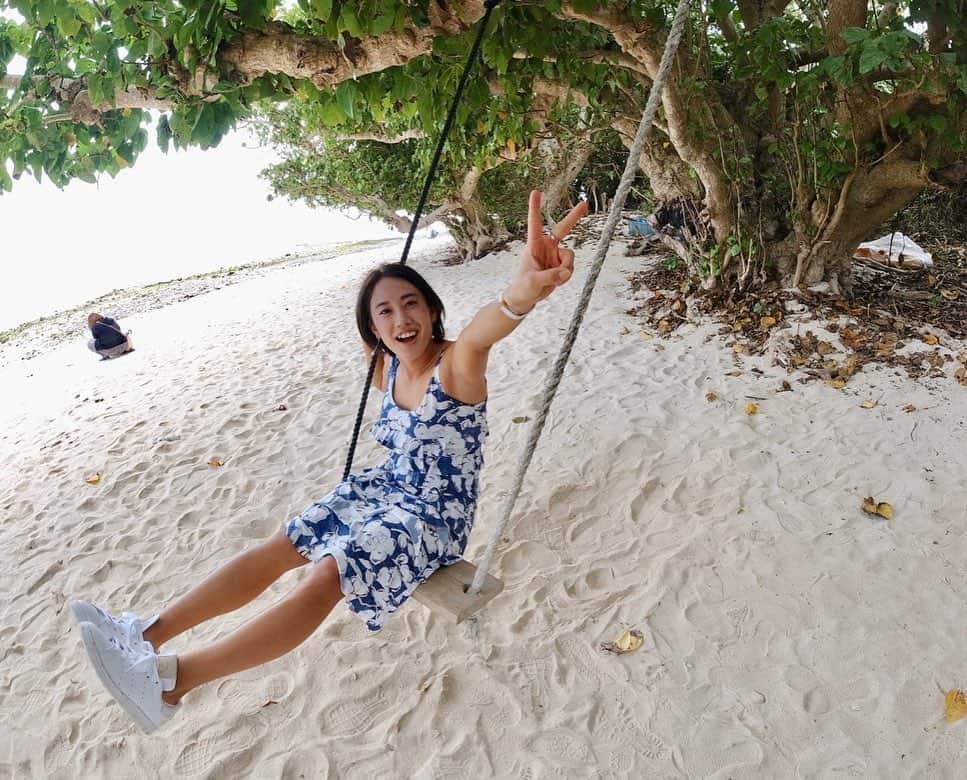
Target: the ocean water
(168, 216)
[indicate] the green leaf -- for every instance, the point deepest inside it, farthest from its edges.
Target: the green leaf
(854, 34)
(346, 97)
(164, 133)
(350, 22)
(321, 9)
(871, 57)
(381, 24)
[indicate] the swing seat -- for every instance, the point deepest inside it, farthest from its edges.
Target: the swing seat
(446, 591)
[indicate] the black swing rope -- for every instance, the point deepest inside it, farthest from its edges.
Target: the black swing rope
(471, 58)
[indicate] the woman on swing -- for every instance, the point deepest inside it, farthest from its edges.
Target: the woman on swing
(380, 533)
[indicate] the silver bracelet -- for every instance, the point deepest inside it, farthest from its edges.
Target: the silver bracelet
(508, 312)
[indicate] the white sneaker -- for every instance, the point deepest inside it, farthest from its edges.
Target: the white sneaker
(130, 676)
(128, 629)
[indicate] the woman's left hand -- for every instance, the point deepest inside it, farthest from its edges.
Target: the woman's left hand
(545, 264)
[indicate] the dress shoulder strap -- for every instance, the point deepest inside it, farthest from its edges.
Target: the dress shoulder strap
(393, 364)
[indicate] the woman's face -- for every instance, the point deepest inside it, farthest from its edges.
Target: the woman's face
(401, 317)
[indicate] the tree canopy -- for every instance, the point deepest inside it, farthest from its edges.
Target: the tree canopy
(789, 131)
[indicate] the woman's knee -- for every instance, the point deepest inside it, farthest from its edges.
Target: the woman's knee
(280, 550)
(322, 581)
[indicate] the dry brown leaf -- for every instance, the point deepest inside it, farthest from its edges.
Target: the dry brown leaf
(873, 507)
(710, 396)
(751, 408)
(627, 642)
(785, 387)
(955, 706)
(961, 375)
(909, 408)
(739, 349)
(930, 339)
(215, 463)
(837, 384)
(519, 420)
(962, 357)
(93, 479)
(868, 404)
(734, 373)
(766, 322)
(825, 348)
(950, 295)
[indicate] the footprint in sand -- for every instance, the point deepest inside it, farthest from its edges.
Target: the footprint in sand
(252, 695)
(352, 716)
(562, 748)
(196, 757)
(630, 743)
(536, 673)
(584, 660)
(59, 752)
(453, 768)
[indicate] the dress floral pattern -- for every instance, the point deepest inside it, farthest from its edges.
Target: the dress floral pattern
(391, 526)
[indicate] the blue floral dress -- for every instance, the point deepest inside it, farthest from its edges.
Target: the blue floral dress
(391, 526)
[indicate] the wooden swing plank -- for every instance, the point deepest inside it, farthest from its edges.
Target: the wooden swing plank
(446, 591)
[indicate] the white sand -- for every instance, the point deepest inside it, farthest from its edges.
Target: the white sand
(787, 634)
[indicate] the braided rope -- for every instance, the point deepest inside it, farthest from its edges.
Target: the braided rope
(550, 388)
(418, 214)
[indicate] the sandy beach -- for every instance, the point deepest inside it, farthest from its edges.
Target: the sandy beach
(787, 634)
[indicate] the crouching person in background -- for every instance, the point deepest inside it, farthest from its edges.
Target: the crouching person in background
(108, 340)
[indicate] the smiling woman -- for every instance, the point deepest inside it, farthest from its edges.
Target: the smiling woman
(380, 533)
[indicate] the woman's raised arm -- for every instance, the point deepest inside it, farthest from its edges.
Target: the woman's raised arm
(544, 266)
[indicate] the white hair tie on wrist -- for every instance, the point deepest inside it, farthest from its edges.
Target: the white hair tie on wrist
(508, 312)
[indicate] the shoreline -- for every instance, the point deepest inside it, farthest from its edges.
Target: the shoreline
(31, 339)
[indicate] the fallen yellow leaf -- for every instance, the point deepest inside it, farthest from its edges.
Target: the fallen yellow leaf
(961, 375)
(950, 295)
(740, 349)
(751, 408)
(837, 384)
(868, 404)
(627, 642)
(766, 322)
(645, 335)
(710, 396)
(215, 463)
(873, 507)
(519, 420)
(930, 339)
(93, 479)
(955, 706)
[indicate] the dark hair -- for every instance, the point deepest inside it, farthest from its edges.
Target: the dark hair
(364, 319)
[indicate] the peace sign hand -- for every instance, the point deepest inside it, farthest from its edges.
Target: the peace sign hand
(545, 265)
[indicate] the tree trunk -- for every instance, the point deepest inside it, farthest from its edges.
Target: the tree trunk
(867, 199)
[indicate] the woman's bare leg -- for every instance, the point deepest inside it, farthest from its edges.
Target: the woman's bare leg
(279, 629)
(232, 586)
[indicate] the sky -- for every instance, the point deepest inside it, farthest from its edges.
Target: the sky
(167, 216)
